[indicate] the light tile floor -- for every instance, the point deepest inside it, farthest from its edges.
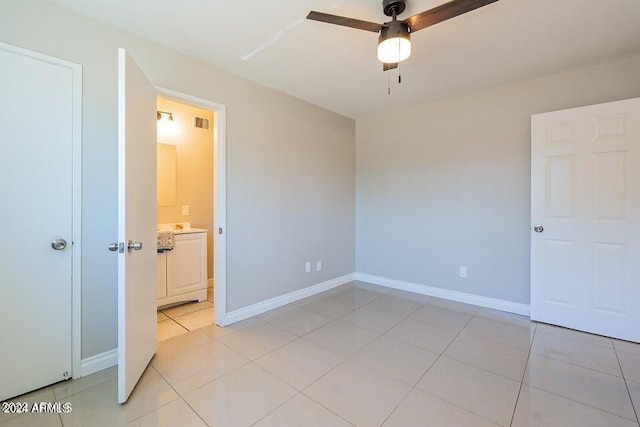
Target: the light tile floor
(184, 318)
(368, 356)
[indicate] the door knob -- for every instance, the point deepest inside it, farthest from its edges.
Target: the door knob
(538, 229)
(59, 244)
(135, 246)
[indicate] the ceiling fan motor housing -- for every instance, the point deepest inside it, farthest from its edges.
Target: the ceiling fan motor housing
(391, 6)
(394, 29)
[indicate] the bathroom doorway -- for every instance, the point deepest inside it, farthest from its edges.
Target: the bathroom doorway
(191, 207)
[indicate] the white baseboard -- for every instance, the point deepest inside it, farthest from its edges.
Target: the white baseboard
(98, 362)
(497, 304)
(264, 306)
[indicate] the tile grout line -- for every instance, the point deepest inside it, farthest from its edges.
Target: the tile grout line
(581, 403)
(182, 333)
(348, 359)
(298, 392)
(573, 338)
(157, 408)
(427, 371)
(575, 364)
(181, 396)
(442, 354)
(183, 326)
(318, 379)
(501, 323)
(194, 411)
(183, 305)
(626, 384)
(526, 365)
(279, 406)
(220, 342)
(572, 399)
(400, 402)
(185, 314)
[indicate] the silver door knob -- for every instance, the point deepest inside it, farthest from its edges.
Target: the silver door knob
(59, 244)
(113, 246)
(538, 229)
(135, 246)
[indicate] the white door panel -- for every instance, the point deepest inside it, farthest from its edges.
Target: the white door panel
(36, 148)
(137, 269)
(585, 179)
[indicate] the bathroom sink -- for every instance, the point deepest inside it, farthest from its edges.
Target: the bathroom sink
(175, 226)
(180, 227)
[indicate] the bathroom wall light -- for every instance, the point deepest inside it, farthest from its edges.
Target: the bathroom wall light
(169, 115)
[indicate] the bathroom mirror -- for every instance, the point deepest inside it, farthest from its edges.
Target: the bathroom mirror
(166, 175)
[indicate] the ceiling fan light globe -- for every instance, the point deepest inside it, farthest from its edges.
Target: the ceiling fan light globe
(394, 42)
(394, 50)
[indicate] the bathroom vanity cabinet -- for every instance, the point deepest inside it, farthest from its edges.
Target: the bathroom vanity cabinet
(182, 271)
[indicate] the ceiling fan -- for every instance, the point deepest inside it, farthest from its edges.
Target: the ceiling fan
(394, 43)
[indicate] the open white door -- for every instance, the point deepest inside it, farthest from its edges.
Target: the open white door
(136, 224)
(585, 208)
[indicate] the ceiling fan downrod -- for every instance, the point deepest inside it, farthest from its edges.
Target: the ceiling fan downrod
(393, 7)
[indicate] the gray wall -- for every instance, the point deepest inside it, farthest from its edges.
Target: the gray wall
(290, 166)
(446, 184)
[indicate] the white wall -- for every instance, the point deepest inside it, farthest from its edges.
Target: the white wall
(290, 166)
(445, 184)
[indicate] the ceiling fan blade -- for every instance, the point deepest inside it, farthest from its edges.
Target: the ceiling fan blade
(389, 66)
(345, 22)
(444, 12)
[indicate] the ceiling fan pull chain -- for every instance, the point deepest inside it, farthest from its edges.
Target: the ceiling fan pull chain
(388, 83)
(399, 76)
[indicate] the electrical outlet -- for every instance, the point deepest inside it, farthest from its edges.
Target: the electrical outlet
(185, 210)
(318, 265)
(462, 271)
(307, 267)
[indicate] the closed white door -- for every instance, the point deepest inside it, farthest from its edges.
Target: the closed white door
(137, 254)
(585, 212)
(36, 148)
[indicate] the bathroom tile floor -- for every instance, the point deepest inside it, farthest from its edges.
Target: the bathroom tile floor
(183, 318)
(367, 356)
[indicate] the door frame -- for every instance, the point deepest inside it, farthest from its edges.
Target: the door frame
(76, 194)
(219, 195)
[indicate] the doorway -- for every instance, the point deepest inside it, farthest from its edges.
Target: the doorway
(191, 138)
(41, 118)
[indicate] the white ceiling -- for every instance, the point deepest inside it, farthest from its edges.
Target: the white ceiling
(335, 67)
